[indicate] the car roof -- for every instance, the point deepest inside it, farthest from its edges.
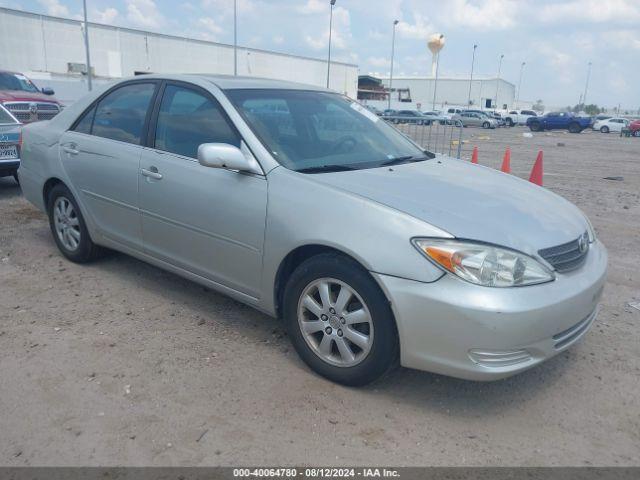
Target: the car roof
(232, 82)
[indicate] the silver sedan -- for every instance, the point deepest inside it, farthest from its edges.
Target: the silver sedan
(303, 204)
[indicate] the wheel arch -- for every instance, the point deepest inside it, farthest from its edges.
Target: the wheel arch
(295, 258)
(47, 187)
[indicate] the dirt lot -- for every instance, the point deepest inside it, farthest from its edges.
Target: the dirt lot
(119, 363)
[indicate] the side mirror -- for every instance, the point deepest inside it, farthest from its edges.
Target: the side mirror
(47, 91)
(223, 155)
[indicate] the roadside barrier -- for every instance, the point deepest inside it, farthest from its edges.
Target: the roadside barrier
(537, 172)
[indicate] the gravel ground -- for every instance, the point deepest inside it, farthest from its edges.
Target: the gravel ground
(119, 363)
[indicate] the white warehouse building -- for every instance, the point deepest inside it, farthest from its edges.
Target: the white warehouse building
(51, 51)
(451, 91)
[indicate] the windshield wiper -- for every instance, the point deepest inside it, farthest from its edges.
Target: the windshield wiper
(325, 169)
(406, 159)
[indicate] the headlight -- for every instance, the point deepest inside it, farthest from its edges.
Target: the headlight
(590, 229)
(482, 264)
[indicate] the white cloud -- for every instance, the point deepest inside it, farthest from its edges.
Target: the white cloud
(340, 35)
(226, 6)
(278, 39)
(55, 8)
(420, 28)
(487, 15)
(211, 30)
(107, 16)
(313, 6)
(144, 13)
(595, 11)
(379, 62)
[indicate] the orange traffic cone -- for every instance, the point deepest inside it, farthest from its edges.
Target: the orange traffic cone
(474, 156)
(536, 172)
(506, 161)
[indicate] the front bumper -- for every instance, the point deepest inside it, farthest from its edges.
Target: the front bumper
(463, 330)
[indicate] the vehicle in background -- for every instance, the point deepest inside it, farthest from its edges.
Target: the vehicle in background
(373, 109)
(611, 125)
(475, 119)
(559, 121)
(373, 251)
(389, 112)
(498, 118)
(602, 116)
(10, 136)
(24, 100)
(409, 116)
(634, 128)
(518, 117)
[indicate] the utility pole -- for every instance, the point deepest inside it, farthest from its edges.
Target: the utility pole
(586, 85)
(473, 61)
(519, 83)
(332, 3)
(498, 78)
(393, 47)
(86, 44)
(235, 37)
(435, 82)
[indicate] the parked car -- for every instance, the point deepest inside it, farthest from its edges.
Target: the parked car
(602, 116)
(611, 125)
(634, 127)
(559, 121)
(474, 119)
(24, 100)
(409, 116)
(434, 263)
(518, 117)
(9, 144)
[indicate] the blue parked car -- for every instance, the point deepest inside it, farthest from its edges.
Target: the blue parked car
(559, 121)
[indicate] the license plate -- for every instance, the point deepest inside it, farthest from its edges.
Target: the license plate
(8, 151)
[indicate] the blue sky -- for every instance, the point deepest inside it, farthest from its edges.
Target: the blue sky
(556, 38)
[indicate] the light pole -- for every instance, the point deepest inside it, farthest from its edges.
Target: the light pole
(473, 61)
(498, 77)
(519, 84)
(393, 47)
(86, 44)
(332, 2)
(586, 85)
(235, 37)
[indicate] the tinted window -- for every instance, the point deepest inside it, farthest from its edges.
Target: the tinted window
(86, 122)
(121, 114)
(188, 119)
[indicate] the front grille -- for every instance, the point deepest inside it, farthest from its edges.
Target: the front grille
(32, 111)
(567, 256)
(570, 335)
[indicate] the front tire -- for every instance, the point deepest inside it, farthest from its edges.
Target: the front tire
(510, 122)
(574, 128)
(69, 228)
(339, 320)
(604, 129)
(486, 125)
(535, 127)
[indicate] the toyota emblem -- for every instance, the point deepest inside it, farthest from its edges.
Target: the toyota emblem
(33, 108)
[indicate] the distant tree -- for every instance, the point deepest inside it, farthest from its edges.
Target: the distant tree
(538, 106)
(590, 109)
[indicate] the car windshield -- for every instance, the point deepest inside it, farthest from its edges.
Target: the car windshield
(6, 118)
(16, 81)
(321, 131)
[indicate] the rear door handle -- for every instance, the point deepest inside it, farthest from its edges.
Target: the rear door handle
(71, 149)
(152, 172)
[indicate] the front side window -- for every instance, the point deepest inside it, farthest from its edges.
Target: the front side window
(121, 114)
(188, 119)
(85, 123)
(308, 130)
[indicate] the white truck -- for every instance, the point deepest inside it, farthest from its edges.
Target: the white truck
(518, 117)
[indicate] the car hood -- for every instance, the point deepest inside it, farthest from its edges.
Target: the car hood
(469, 201)
(21, 96)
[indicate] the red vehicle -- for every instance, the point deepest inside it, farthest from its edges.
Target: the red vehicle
(635, 128)
(24, 100)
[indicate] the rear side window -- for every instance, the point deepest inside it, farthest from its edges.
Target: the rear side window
(188, 119)
(121, 114)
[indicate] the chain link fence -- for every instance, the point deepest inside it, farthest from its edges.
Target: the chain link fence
(438, 136)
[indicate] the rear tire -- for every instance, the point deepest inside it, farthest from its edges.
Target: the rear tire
(574, 128)
(319, 326)
(68, 227)
(486, 125)
(636, 133)
(604, 129)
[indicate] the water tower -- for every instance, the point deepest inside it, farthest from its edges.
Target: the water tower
(435, 44)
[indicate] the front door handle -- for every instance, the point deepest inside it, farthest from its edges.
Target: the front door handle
(152, 172)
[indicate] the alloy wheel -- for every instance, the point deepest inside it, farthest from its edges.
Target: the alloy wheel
(335, 322)
(67, 224)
